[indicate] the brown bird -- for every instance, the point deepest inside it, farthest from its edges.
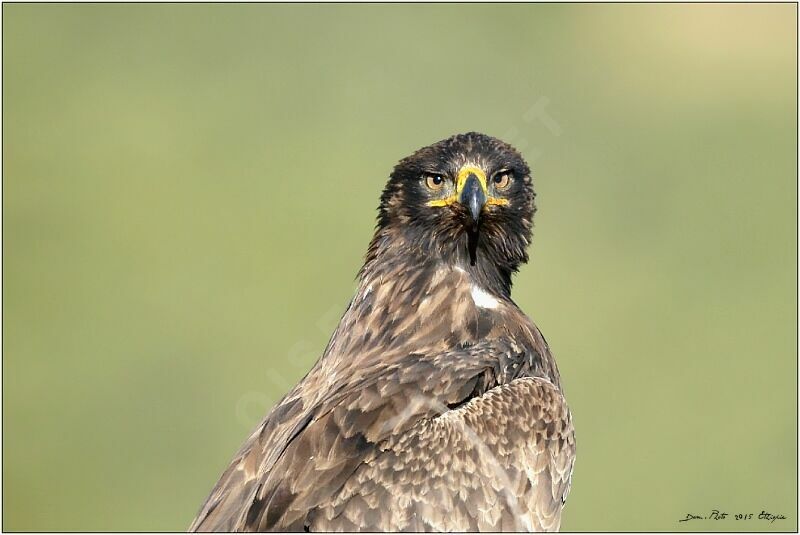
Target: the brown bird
(437, 405)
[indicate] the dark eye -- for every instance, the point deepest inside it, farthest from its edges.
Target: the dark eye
(434, 181)
(502, 179)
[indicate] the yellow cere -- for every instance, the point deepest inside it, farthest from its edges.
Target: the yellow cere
(464, 173)
(461, 178)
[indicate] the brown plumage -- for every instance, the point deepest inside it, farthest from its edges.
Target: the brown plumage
(437, 405)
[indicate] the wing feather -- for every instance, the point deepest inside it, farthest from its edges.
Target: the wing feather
(420, 445)
(502, 462)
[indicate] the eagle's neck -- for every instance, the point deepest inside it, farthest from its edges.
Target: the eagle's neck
(392, 255)
(413, 301)
(407, 298)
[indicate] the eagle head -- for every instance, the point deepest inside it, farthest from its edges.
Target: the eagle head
(467, 200)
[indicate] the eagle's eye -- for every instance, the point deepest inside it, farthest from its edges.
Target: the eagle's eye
(502, 179)
(434, 181)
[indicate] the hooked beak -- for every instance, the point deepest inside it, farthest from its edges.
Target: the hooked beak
(473, 198)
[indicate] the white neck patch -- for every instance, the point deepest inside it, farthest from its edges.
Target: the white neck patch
(483, 299)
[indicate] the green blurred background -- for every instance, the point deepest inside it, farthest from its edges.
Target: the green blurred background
(189, 190)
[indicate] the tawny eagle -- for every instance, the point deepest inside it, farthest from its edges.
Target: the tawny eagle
(436, 405)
